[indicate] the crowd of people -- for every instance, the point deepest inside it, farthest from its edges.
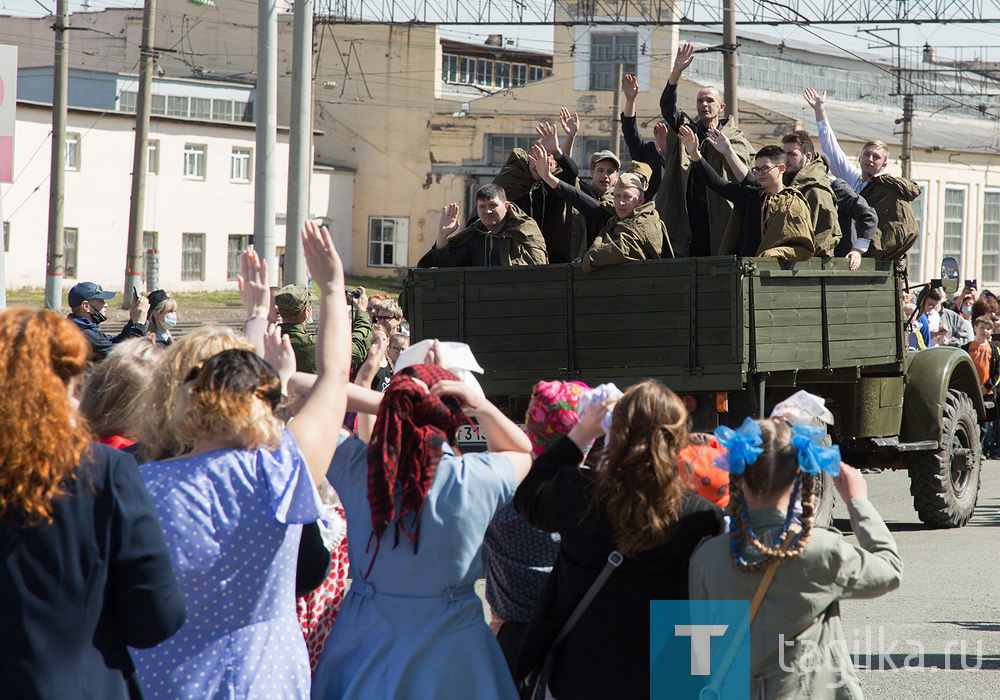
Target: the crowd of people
(698, 188)
(179, 517)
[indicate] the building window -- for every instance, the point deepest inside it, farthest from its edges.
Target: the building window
(72, 151)
(449, 68)
(240, 165)
(201, 108)
(222, 110)
(467, 70)
(953, 228)
(484, 72)
(6, 236)
(126, 101)
(150, 241)
(193, 256)
(237, 243)
(519, 74)
(70, 245)
(539, 72)
(607, 50)
(158, 104)
(194, 161)
(177, 106)
(503, 74)
(387, 242)
(991, 235)
(499, 146)
(153, 157)
(243, 111)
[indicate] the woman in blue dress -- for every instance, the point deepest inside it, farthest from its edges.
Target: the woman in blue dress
(232, 507)
(412, 626)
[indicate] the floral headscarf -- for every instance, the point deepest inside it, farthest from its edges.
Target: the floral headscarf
(552, 412)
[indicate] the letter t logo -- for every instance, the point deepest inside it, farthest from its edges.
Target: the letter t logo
(701, 645)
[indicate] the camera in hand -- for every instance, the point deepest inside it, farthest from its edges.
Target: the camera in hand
(352, 294)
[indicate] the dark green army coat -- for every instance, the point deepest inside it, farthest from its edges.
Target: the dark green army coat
(521, 242)
(890, 197)
(639, 236)
(813, 182)
(785, 228)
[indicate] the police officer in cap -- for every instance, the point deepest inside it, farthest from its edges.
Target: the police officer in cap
(87, 301)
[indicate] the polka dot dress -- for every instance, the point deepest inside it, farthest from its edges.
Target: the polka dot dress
(232, 521)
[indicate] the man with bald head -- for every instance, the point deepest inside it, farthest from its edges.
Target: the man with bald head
(697, 227)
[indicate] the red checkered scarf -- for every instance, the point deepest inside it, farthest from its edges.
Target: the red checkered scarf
(405, 448)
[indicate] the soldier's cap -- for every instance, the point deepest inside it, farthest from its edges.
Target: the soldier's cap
(641, 169)
(604, 155)
(85, 291)
(292, 298)
(629, 180)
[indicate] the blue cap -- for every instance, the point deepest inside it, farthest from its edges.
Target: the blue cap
(85, 291)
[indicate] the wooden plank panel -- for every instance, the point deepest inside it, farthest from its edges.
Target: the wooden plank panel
(768, 337)
(863, 331)
(633, 339)
(538, 306)
(530, 343)
(640, 357)
(611, 304)
(530, 363)
(660, 286)
(662, 320)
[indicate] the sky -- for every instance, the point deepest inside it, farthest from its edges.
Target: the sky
(536, 38)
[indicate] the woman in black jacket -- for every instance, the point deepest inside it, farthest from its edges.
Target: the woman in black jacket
(84, 570)
(635, 502)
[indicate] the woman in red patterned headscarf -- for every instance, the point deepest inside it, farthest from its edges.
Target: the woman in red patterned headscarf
(412, 624)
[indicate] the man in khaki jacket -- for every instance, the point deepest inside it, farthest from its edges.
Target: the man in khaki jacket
(634, 233)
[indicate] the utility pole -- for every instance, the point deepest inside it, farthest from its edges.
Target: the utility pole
(134, 255)
(615, 119)
(266, 117)
(57, 178)
(299, 141)
(907, 156)
(731, 97)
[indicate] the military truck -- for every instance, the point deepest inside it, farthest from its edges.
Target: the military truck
(732, 336)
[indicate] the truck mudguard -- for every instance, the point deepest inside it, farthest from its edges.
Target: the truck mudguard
(930, 374)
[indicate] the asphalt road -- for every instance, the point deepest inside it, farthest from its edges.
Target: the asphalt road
(949, 596)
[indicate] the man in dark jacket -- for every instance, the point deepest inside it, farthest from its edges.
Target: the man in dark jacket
(87, 302)
(639, 149)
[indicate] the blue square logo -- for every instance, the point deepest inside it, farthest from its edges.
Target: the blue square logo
(691, 650)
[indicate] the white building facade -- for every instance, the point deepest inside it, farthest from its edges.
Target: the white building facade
(199, 205)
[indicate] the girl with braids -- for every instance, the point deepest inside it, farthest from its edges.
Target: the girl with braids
(773, 467)
(84, 570)
(636, 502)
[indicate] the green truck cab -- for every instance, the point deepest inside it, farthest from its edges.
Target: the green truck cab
(732, 336)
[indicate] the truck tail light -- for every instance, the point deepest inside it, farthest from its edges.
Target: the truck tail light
(722, 402)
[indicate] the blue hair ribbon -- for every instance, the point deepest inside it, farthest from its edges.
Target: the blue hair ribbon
(813, 456)
(743, 446)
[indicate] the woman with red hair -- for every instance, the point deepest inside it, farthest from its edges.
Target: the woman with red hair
(84, 571)
(412, 624)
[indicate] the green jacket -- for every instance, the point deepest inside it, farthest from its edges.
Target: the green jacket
(521, 243)
(802, 603)
(671, 198)
(785, 228)
(553, 215)
(304, 343)
(890, 197)
(639, 236)
(813, 182)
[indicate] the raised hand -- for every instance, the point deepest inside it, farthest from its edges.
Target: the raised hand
(817, 102)
(449, 220)
(539, 161)
(547, 137)
(850, 483)
(570, 122)
(252, 282)
(719, 140)
(630, 87)
(689, 140)
(660, 137)
(139, 309)
(685, 54)
(322, 259)
(279, 354)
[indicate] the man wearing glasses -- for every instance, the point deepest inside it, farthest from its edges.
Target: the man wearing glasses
(771, 220)
(388, 316)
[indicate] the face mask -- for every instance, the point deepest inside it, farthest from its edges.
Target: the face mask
(170, 320)
(967, 309)
(98, 317)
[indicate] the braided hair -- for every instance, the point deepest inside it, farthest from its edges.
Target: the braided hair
(775, 470)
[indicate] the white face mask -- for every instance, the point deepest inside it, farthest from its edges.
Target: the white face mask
(967, 309)
(170, 320)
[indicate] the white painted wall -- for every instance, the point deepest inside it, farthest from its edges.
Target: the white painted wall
(97, 197)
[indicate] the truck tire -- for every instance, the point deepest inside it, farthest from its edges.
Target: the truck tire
(945, 483)
(824, 496)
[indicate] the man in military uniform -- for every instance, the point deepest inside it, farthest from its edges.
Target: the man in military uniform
(294, 303)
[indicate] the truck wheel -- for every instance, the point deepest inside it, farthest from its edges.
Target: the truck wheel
(945, 484)
(824, 496)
